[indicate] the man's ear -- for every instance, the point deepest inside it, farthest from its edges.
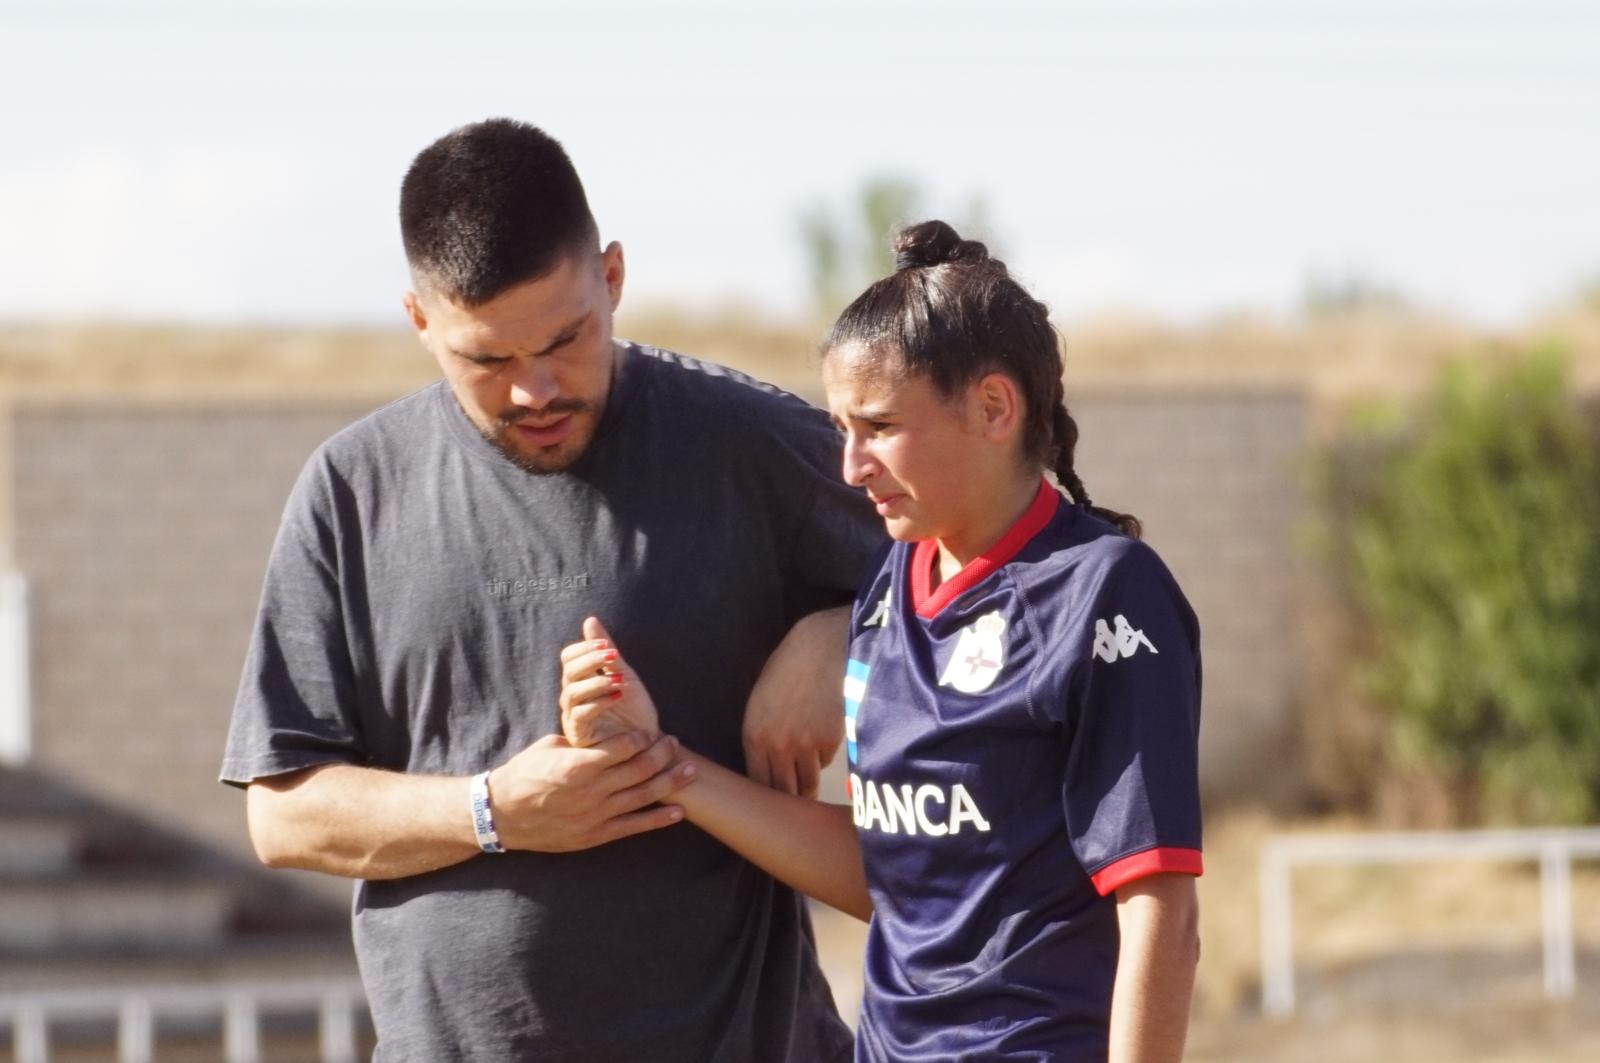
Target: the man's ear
(998, 403)
(414, 313)
(614, 270)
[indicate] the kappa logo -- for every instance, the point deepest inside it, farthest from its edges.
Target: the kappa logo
(979, 655)
(1110, 645)
(880, 615)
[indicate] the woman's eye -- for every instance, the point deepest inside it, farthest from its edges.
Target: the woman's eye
(879, 426)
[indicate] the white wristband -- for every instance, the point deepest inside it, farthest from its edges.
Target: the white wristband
(482, 818)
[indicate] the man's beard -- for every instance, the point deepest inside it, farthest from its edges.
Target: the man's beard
(499, 434)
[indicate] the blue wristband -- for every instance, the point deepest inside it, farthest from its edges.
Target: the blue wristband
(482, 818)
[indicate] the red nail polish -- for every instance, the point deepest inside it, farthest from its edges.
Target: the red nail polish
(610, 655)
(616, 678)
(616, 695)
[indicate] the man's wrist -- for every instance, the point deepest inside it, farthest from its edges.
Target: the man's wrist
(483, 828)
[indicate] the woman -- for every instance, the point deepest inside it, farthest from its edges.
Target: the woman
(1021, 702)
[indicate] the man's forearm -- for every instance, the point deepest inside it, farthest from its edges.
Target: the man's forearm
(793, 723)
(550, 797)
(1159, 922)
(361, 822)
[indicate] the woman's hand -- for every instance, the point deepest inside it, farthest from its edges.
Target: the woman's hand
(601, 695)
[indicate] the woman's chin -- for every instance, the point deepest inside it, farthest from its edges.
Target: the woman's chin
(905, 530)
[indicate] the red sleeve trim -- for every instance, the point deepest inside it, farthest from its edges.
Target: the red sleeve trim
(1156, 861)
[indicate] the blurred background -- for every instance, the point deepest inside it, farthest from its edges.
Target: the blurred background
(1328, 275)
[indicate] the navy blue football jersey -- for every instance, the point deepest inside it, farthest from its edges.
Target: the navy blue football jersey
(1022, 741)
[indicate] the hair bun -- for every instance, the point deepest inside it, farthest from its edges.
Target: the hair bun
(934, 243)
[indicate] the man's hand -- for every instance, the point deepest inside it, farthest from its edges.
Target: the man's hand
(794, 721)
(556, 797)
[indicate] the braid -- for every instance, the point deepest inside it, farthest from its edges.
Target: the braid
(1064, 432)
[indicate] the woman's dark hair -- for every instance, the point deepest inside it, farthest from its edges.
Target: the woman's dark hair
(951, 313)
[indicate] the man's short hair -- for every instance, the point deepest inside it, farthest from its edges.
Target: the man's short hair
(489, 206)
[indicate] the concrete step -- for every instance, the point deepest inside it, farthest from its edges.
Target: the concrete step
(326, 955)
(110, 911)
(40, 845)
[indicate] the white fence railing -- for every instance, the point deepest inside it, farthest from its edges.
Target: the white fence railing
(240, 1007)
(16, 725)
(1553, 849)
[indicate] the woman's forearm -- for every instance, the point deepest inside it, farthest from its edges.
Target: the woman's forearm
(809, 845)
(1159, 922)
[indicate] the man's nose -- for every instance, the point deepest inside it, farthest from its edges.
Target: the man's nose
(535, 385)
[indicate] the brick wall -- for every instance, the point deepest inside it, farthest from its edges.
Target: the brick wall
(144, 530)
(1215, 478)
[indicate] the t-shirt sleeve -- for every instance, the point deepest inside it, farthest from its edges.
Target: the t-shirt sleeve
(1131, 794)
(295, 708)
(834, 535)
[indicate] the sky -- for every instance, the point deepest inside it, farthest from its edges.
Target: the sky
(227, 162)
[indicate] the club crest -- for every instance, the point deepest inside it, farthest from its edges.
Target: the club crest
(979, 655)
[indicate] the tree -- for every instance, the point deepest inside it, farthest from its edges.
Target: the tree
(844, 257)
(1474, 549)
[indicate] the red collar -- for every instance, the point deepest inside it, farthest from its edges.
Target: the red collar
(928, 602)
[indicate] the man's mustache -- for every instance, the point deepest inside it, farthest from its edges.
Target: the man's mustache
(517, 414)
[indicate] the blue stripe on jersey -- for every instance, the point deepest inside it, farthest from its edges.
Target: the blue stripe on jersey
(855, 689)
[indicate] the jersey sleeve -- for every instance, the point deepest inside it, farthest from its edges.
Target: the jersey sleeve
(833, 535)
(296, 702)
(1131, 793)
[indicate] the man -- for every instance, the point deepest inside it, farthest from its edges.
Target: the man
(432, 560)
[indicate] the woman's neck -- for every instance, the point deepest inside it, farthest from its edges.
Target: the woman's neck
(994, 518)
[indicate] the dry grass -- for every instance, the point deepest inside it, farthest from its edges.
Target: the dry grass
(1349, 918)
(1428, 963)
(1334, 358)
(108, 362)
(1509, 1033)
(1421, 963)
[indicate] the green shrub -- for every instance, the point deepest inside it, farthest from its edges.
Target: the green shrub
(1472, 541)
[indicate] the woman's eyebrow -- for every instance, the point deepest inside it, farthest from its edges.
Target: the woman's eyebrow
(871, 413)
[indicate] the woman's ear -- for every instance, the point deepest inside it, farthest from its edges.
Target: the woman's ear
(998, 405)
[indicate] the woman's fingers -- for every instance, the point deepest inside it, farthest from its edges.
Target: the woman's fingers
(583, 651)
(595, 631)
(580, 719)
(595, 637)
(598, 689)
(590, 662)
(577, 649)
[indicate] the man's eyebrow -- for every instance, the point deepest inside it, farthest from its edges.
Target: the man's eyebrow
(564, 337)
(473, 356)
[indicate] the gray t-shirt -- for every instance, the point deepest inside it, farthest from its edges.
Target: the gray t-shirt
(417, 596)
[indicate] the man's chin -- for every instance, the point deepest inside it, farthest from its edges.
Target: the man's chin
(542, 461)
